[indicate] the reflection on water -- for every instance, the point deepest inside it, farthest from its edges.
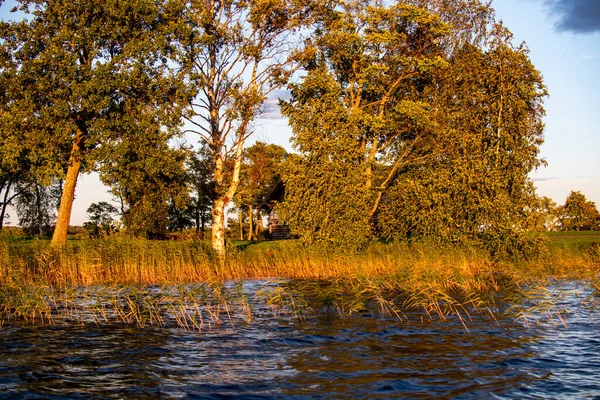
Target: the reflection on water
(273, 357)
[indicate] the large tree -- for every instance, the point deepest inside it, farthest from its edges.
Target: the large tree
(358, 109)
(489, 128)
(235, 52)
(72, 71)
(417, 119)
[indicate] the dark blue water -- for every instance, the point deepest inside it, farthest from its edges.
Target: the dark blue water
(541, 355)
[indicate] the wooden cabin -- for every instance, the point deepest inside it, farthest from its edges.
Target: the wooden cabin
(277, 229)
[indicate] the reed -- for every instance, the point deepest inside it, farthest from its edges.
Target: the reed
(387, 279)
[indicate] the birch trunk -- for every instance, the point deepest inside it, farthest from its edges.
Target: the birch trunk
(218, 227)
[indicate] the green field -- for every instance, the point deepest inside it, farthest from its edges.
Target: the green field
(575, 240)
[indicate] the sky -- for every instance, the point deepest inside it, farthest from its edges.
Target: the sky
(563, 37)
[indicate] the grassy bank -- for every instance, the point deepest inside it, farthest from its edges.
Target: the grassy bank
(391, 277)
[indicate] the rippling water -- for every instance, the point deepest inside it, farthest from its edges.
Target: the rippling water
(274, 357)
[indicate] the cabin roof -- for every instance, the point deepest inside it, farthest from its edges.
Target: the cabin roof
(274, 196)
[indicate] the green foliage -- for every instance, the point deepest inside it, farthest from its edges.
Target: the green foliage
(542, 215)
(578, 214)
(356, 116)
(36, 208)
(324, 203)
(74, 75)
(102, 222)
(476, 186)
(15, 174)
(431, 121)
(180, 216)
(199, 172)
(260, 171)
(147, 175)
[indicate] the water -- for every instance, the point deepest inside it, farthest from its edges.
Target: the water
(323, 357)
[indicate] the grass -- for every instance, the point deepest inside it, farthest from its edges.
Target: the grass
(37, 280)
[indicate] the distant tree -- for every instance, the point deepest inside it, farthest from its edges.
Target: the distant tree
(102, 221)
(542, 215)
(36, 208)
(147, 175)
(578, 214)
(13, 182)
(180, 216)
(202, 187)
(236, 223)
(74, 72)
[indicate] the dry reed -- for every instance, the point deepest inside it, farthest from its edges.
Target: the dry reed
(385, 279)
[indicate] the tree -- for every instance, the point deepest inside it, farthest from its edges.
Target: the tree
(357, 116)
(180, 216)
(260, 171)
(476, 185)
(578, 214)
(74, 72)
(414, 121)
(235, 52)
(200, 181)
(148, 176)
(488, 103)
(14, 181)
(102, 222)
(542, 215)
(16, 168)
(36, 208)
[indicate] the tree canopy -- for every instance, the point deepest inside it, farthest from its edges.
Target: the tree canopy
(578, 213)
(233, 54)
(412, 122)
(72, 73)
(411, 119)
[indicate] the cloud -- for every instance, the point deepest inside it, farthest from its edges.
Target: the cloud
(575, 16)
(544, 179)
(270, 109)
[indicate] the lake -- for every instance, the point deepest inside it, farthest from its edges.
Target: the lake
(541, 354)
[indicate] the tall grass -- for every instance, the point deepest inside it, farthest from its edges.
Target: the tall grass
(130, 261)
(385, 277)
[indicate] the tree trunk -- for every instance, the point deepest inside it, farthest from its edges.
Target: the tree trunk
(241, 221)
(4, 205)
(259, 224)
(218, 210)
(68, 195)
(218, 227)
(202, 223)
(197, 217)
(250, 223)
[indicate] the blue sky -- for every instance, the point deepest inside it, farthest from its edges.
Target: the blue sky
(564, 39)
